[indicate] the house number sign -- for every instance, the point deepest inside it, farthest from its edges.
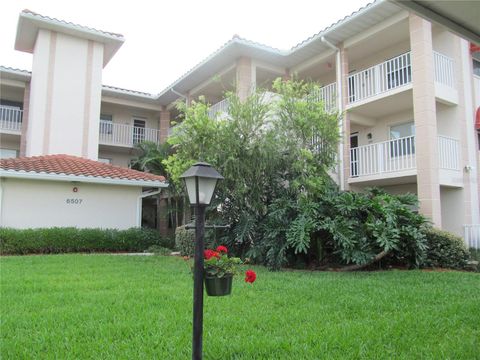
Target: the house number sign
(74, 201)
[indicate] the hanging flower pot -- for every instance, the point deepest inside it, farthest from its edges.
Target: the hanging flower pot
(219, 271)
(218, 286)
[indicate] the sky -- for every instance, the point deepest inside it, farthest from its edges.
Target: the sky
(165, 39)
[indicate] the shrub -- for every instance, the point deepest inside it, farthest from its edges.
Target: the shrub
(65, 240)
(185, 240)
(159, 250)
(445, 250)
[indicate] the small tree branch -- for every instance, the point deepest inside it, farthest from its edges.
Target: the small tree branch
(362, 266)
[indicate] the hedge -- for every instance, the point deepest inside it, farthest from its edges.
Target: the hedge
(185, 240)
(446, 250)
(69, 239)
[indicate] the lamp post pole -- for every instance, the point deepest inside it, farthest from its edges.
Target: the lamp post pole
(198, 274)
(200, 182)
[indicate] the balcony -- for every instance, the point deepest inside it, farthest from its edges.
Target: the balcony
(10, 120)
(327, 94)
(219, 109)
(395, 75)
(396, 158)
(125, 135)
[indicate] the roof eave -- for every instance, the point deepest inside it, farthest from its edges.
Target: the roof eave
(79, 178)
(29, 25)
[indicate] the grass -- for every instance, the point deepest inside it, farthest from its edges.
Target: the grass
(128, 307)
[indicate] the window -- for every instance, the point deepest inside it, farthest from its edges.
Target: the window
(105, 160)
(138, 131)
(402, 139)
(8, 153)
(106, 124)
(476, 67)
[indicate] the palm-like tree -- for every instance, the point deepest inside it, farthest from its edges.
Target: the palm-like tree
(151, 160)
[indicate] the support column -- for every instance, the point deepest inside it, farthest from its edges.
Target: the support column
(164, 125)
(424, 110)
(466, 108)
(342, 77)
(246, 77)
(26, 106)
(188, 100)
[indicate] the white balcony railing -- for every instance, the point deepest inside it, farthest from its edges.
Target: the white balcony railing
(394, 73)
(10, 118)
(126, 135)
(399, 155)
(220, 107)
(387, 156)
(448, 153)
(328, 94)
(471, 235)
(443, 69)
(380, 78)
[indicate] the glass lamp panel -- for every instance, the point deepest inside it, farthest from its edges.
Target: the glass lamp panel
(206, 187)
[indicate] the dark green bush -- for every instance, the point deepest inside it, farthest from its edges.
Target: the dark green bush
(445, 250)
(65, 240)
(185, 240)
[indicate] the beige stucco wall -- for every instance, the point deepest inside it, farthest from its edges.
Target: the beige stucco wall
(11, 142)
(381, 130)
(380, 56)
(452, 201)
(125, 115)
(40, 203)
(443, 41)
(65, 96)
(118, 158)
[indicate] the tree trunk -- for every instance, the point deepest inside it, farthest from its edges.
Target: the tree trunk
(359, 267)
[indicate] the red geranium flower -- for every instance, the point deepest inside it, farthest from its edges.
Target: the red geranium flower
(250, 276)
(222, 249)
(208, 254)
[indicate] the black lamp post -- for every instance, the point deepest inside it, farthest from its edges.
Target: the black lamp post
(200, 181)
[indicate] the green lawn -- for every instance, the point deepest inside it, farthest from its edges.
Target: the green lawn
(128, 307)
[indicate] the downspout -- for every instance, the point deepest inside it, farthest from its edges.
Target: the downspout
(139, 204)
(339, 77)
(179, 94)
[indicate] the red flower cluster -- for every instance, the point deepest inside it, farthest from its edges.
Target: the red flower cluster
(250, 276)
(222, 249)
(208, 254)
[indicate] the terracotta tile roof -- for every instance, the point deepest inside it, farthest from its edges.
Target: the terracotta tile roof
(73, 165)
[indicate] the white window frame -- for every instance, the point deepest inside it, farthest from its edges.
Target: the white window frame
(407, 149)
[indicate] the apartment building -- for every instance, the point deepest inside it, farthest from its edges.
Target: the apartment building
(408, 92)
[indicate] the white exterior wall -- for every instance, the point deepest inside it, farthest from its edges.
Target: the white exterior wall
(39, 203)
(65, 96)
